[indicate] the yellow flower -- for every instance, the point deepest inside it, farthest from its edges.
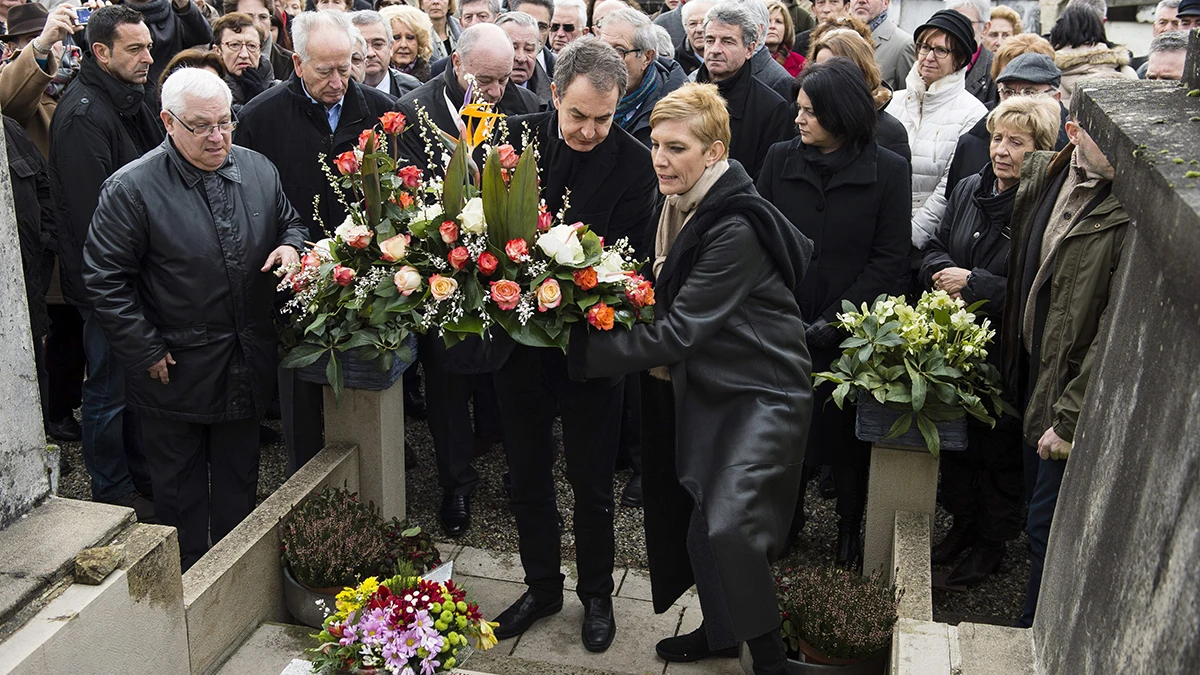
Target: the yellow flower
(487, 638)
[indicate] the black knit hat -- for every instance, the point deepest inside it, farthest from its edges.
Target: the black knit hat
(954, 24)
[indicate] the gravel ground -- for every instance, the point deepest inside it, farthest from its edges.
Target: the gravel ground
(998, 600)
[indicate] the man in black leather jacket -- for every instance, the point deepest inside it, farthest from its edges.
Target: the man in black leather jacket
(178, 270)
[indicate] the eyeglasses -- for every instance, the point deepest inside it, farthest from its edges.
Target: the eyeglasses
(939, 53)
(566, 27)
(626, 52)
(1007, 92)
(205, 130)
(235, 47)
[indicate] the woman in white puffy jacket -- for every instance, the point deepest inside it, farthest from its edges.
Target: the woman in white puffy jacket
(936, 109)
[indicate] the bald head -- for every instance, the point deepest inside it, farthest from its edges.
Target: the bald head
(603, 9)
(485, 52)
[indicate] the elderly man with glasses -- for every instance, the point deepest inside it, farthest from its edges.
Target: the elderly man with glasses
(178, 268)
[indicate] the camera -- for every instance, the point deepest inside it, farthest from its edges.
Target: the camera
(82, 15)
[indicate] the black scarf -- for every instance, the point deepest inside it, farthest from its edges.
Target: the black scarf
(828, 164)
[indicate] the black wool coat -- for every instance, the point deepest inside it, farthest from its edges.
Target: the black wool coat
(728, 326)
(100, 125)
(35, 213)
(284, 124)
(859, 226)
(893, 136)
(172, 264)
(758, 117)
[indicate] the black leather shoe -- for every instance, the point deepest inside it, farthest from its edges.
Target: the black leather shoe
(849, 550)
(414, 407)
(599, 626)
(632, 494)
(957, 540)
(690, 647)
(521, 614)
(66, 429)
(979, 564)
(456, 514)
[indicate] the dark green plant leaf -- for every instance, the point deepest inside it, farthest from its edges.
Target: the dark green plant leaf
(303, 355)
(523, 197)
(333, 373)
(930, 433)
(900, 427)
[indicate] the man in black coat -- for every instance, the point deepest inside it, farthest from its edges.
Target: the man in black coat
(459, 374)
(378, 73)
(102, 123)
(177, 266)
(758, 116)
(612, 189)
(1027, 75)
(174, 26)
(320, 110)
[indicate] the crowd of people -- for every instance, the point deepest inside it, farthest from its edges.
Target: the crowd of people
(770, 160)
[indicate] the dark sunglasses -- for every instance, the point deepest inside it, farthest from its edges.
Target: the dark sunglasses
(566, 27)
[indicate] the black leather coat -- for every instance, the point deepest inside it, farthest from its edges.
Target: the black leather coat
(172, 264)
(284, 124)
(35, 211)
(758, 117)
(727, 323)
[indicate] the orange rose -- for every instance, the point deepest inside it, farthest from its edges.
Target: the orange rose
(508, 157)
(586, 278)
(601, 316)
(342, 276)
(441, 287)
(347, 163)
(506, 293)
(393, 123)
(640, 294)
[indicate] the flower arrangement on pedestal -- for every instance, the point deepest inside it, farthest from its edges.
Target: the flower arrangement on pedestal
(928, 363)
(403, 625)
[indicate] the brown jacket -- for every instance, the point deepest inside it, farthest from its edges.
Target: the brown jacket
(23, 96)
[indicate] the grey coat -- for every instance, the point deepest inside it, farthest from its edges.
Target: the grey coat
(895, 53)
(727, 324)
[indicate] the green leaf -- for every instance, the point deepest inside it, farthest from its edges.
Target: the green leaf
(495, 200)
(839, 394)
(918, 387)
(523, 199)
(456, 178)
(930, 433)
(359, 339)
(370, 185)
(333, 373)
(976, 305)
(865, 352)
(317, 324)
(899, 427)
(303, 355)
(852, 342)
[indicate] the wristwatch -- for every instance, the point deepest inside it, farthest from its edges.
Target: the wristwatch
(39, 49)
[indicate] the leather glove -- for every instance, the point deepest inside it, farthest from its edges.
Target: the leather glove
(823, 335)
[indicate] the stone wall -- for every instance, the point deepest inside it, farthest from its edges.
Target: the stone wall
(1121, 592)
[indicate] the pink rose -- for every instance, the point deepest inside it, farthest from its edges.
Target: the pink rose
(545, 220)
(449, 232)
(407, 280)
(459, 257)
(549, 295)
(395, 248)
(508, 157)
(517, 250)
(343, 276)
(487, 263)
(506, 293)
(367, 136)
(410, 176)
(441, 287)
(359, 236)
(640, 293)
(347, 162)
(310, 259)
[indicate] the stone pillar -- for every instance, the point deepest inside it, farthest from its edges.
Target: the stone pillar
(902, 479)
(374, 421)
(27, 470)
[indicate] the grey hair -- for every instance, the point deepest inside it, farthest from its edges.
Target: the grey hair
(493, 6)
(758, 10)
(1174, 41)
(735, 14)
(1100, 7)
(664, 41)
(195, 84)
(471, 37)
(687, 7)
(369, 17)
(360, 44)
(578, 6)
(644, 36)
(307, 22)
(1166, 4)
(590, 57)
(983, 8)
(521, 19)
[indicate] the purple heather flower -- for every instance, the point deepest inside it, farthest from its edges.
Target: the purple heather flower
(428, 666)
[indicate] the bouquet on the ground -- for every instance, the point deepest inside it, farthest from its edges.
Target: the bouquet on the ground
(403, 625)
(354, 289)
(928, 362)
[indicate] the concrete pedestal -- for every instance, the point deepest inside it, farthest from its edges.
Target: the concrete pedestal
(902, 479)
(374, 421)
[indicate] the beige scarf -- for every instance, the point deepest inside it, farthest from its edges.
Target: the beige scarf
(676, 213)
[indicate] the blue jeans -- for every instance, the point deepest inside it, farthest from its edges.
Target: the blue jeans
(112, 448)
(1041, 514)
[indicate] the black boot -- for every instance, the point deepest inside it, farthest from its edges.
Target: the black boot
(983, 559)
(960, 538)
(690, 647)
(768, 654)
(849, 548)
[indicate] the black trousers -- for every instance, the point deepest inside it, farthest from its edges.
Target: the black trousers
(300, 406)
(205, 477)
(447, 398)
(982, 487)
(529, 385)
(65, 362)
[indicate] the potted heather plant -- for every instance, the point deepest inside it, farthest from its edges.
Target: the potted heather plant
(333, 541)
(835, 621)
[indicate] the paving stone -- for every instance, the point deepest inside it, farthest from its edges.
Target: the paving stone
(477, 562)
(493, 596)
(690, 621)
(271, 648)
(637, 587)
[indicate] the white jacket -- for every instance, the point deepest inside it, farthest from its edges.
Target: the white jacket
(934, 118)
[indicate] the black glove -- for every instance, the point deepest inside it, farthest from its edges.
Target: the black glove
(821, 334)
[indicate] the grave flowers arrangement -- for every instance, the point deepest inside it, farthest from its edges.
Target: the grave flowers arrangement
(926, 361)
(403, 625)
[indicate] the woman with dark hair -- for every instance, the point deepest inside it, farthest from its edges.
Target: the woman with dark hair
(727, 398)
(196, 57)
(1081, 48)
(850, 197)
(936, 109)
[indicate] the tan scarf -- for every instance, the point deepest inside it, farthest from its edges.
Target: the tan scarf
(676, 213)
(679, 209)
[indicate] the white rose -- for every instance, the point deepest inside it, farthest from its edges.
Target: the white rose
(472, 217)
(562, 244)
(344, 229)
(324, 248)
(610, 269)
(428, 213)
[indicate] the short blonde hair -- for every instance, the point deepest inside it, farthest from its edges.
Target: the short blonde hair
(850, 44)
(1025, 43)
(1037, 116)
(702, 106)
(416, 20)
(1010, 15)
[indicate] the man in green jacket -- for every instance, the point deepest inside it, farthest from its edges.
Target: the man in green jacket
(1068, 234)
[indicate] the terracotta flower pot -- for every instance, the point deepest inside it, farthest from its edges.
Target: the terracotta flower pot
(815, 663)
